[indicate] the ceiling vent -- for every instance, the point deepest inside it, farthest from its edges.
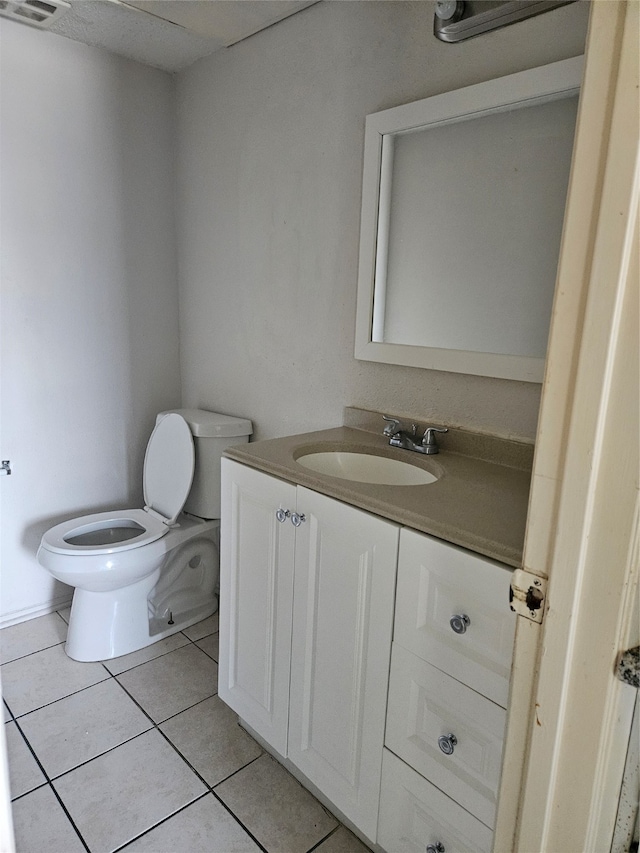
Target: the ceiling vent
(456, 20)
(38, 13)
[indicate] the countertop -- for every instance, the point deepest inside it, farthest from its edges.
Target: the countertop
(476, 503)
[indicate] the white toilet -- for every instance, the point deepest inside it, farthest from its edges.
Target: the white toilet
(143, 574)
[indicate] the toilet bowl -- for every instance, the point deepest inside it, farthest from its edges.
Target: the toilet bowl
(143, 574)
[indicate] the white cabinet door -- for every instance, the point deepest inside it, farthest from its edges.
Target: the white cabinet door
(342, 624)
(415, 815)
(256, 592)
(438, 581)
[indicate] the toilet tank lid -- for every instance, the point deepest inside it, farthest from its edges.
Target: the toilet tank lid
(211, 424)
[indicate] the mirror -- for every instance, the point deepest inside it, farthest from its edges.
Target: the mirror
(462, 209)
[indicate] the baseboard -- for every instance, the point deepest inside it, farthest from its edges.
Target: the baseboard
(33, 612)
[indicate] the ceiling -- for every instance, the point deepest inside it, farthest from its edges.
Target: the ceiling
(167, 34)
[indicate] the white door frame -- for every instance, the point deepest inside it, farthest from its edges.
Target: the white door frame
(570, 717)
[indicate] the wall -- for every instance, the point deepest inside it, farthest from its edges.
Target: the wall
(89, 303)
(269, 176)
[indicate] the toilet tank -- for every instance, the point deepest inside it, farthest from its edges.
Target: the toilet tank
(212, 434)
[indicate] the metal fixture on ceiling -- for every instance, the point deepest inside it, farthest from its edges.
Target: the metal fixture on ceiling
(455, 20)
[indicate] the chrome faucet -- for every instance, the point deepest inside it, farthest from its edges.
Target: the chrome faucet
(409, 441)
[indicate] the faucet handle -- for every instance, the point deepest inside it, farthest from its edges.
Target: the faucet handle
(393, 426)
(428, 439)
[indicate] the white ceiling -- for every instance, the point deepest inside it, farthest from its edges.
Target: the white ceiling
(170, 34)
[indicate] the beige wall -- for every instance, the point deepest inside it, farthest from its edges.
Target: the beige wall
(269, 181)
(89, 305)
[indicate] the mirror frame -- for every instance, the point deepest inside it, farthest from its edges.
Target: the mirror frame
(548, 82)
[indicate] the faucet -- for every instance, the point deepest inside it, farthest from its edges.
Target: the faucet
(408, 441)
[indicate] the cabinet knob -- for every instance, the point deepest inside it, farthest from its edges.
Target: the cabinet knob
(447, 743)
(438, 847)
(282, 514)
(297, 519)
(459, 622)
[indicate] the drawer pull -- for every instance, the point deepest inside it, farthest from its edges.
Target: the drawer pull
(297, 518)
(282, 514)
(438, 847)
(447, 743)
(460, 622)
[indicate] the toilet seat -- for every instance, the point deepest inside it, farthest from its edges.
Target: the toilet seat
(169, 464)
(151, 528)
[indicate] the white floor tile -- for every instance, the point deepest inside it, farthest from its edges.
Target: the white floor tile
(170, 684)
(203, 827)
(209, 737)
(156, 650)
(82, 726)
(121, 794)
(65, 613)
(43, 677)
(275, 808)
(22, 639)
(6, 712)
(342, 841)
(210, 645)
(204, 628)
(24, 773)
(40, 824)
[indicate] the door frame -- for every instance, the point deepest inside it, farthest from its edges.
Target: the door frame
(582, 527)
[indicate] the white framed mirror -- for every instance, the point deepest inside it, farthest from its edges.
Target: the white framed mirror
(462, 208)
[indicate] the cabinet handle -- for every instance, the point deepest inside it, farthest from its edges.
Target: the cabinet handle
(447, 743)
(296, 519)
(282, 514)
(438, 847)
(460, 622)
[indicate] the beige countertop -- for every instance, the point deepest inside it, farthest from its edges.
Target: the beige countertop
(477, 503)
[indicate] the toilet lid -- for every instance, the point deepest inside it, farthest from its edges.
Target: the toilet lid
(168, 467)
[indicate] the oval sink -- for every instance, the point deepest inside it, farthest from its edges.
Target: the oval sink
(366, 468)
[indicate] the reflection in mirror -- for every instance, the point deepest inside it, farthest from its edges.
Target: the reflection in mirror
(459, 254)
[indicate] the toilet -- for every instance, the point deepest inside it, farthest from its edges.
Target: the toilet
(143, 574)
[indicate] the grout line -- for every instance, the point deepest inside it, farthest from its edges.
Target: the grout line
(237, 819)
(71, 821)
(160, 822)
(231, 775)
(152, 725)
(209, 790)
(177, 714)
(48, 782)
(200, 639)
(157, 657)
(100, 755)
(326, 837)
(30, 654)
(53, 701)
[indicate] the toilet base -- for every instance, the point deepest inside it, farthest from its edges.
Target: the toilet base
(107, 642)
(106, 625)
(180, 592)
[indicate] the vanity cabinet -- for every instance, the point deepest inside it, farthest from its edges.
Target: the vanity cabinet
(373, 658)
(448, 691)
(256, 607)
(306, 613)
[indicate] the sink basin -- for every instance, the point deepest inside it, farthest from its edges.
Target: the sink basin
(366, 468)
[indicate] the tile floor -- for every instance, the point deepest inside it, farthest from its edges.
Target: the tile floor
(139, 754)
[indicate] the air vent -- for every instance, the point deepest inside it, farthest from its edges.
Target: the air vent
(38, 13)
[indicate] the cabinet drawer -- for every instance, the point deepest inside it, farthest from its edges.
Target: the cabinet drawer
(425, 705)
(437, 581)
(414, 814)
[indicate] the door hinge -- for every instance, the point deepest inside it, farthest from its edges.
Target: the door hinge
(527, 595)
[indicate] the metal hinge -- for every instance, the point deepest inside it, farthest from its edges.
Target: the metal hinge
(527, 595)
